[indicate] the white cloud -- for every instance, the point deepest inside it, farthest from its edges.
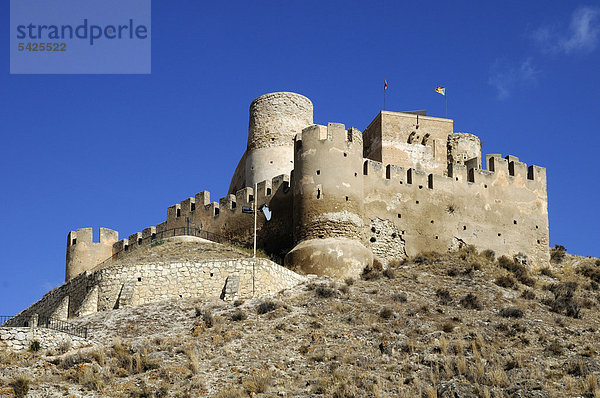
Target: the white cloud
(582, 34)
(506, 78)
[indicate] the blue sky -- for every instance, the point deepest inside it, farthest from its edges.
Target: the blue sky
(117, 150)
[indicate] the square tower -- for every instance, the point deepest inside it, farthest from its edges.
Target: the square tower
(409, 140)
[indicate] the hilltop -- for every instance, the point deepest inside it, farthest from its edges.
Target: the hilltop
(459, 324)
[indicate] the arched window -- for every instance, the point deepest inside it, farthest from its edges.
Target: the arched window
(412, 137)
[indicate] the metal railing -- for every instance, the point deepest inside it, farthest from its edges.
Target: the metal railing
(62, 326)
(158, 236)
(4, 319)
(44, 322)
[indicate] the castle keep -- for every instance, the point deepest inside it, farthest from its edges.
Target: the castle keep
(339, 197)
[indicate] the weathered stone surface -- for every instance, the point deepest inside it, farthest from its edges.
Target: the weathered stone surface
(145, 281)
(19, 339)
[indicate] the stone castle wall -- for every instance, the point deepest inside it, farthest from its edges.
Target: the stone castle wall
(503, 208)
(125, 285)
(19, 339)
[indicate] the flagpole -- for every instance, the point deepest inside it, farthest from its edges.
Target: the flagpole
(384, 92)
(254, 252)
(446, 101)
(255, 209)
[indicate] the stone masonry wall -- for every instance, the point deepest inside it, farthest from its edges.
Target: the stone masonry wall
(19, 339)
(386, 241)
(123, 285)
(503, 208)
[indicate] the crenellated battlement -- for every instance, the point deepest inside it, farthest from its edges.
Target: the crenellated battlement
(85, 235)
(334, 132)
(505, 171)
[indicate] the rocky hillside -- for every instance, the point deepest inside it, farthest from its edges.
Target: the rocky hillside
(455, 325)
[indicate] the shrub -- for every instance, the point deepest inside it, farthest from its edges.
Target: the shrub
(266, 306)
(349, 281)
(207, 317)
(470, 301)
(389, 273)
(370, 273)
(232, 393)
(528, 294)
(20, 386)
(386, 348)
(511, 312)
(557, 253)
(377, 265)
(444, 296)
(324, 291)
(468, 271)
(565, 289)
(238, 315)
(590, 271)
(518, 270)
(547, 272)
(87, 377)
(396, 263)
(399, 297)
(157, 243)
(504, 262)
(447, 327)
(386, 313)
(65, 345)
(34, 346)
(555, 348)
(505, 281)
(427, 258)
(468, 249)
(489, 254)
(315, 325)
(257, 383)
(564, 302)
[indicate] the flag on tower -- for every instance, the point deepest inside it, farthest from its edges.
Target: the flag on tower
(441, 90)
(384, 85)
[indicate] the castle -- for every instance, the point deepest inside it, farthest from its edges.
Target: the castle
(341, 198)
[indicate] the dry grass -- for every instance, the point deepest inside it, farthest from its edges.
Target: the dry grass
(258, 382)
(20, 386)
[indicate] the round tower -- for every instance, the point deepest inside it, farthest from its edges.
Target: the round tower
(462, 147)
(83, 253)
(275, 119)
(328, 203)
